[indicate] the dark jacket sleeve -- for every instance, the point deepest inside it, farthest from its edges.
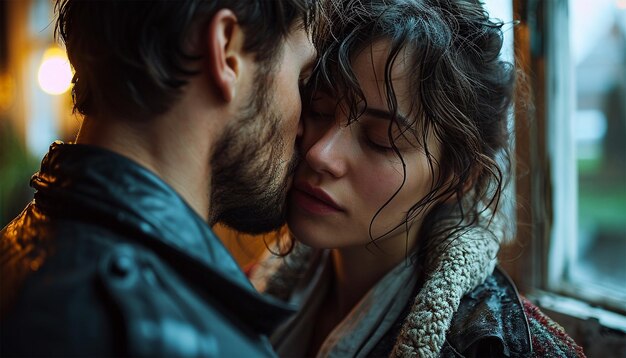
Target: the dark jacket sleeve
(61, 308)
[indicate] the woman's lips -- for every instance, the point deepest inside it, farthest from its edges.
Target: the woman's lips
(314, 200)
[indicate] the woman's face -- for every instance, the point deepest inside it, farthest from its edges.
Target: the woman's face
(350, 172)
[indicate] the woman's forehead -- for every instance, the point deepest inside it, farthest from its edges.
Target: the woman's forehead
(369, 69)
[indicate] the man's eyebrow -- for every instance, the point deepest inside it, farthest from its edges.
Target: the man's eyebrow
(384, 114)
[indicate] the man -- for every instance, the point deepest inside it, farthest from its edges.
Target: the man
(191, 110)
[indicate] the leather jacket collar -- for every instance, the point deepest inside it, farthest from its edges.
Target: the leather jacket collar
(490, 320)
(96, 184)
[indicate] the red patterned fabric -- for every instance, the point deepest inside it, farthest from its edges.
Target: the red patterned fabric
(548, 337)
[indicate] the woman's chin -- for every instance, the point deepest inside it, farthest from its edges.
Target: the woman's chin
(318, 234)
(309, 237)
(304, 237)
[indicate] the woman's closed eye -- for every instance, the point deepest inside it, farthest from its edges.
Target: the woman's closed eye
(377, 143)
(375, 134)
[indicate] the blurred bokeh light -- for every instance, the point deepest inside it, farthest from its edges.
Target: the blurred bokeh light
(55, 72)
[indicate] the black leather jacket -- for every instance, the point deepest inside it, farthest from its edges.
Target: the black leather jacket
(109, 260)
(490, 322)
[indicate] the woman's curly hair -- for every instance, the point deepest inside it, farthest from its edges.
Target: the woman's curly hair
(461, 90)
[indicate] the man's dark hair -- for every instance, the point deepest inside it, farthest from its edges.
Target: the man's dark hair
(132, 57)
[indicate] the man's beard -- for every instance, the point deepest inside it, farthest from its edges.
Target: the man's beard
(247, 193)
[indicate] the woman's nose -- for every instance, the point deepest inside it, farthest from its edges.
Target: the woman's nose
(329, 151)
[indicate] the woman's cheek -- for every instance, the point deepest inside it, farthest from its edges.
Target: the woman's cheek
(380, 184)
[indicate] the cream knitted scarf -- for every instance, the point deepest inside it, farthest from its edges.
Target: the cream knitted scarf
(454, 268)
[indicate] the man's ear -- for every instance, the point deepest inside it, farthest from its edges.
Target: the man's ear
(225, 43)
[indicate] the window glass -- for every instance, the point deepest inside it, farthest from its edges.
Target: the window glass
(597, 268)
(503, 11)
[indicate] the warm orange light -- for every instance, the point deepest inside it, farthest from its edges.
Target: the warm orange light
(7, 91)
(55, 73)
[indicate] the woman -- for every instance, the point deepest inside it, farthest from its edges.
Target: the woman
(395, 205)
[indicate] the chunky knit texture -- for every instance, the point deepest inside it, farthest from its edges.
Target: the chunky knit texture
(455, 267)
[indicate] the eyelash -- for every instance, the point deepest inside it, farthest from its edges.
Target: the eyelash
(377, 147)
(370, 143)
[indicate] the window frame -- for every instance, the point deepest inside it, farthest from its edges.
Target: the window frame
(547, 214)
